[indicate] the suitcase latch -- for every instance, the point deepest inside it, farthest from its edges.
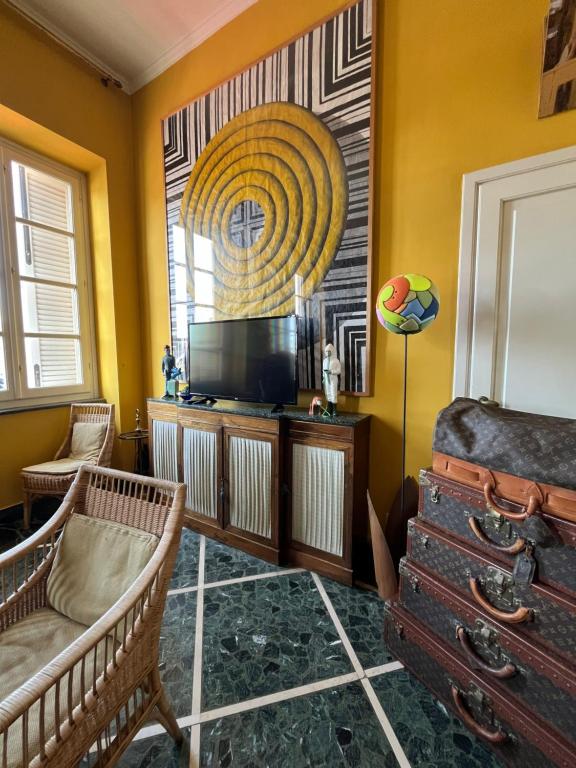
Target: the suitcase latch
(434, 494)
(501, 586)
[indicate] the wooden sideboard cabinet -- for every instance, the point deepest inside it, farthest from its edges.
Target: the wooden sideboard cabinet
(285, 487)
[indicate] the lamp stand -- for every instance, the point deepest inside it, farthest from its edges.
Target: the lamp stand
(404, 425)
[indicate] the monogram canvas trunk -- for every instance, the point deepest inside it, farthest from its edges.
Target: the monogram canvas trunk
(520, 741)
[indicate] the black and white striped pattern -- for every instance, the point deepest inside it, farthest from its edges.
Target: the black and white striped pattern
(329, 71)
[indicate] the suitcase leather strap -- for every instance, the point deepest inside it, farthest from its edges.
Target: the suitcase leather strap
(520, 615)
(494, 737)
(533, 507)
(502, 673)
(512, 549)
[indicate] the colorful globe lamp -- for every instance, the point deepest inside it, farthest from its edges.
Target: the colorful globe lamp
(407, 304)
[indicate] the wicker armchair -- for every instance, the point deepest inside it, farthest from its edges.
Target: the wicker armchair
(97, 692)
(51, 482)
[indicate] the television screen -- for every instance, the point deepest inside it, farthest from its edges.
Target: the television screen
(253, 360)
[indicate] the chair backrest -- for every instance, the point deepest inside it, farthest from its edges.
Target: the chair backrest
(122, 497)
(95, 413)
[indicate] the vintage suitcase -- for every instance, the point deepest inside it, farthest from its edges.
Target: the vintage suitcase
(519, 740)
(539, 682)
(461, 510)
(541, 449)
(542, 615)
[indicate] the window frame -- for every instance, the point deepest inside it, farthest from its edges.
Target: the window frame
(18, 394)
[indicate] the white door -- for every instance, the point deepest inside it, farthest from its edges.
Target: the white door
(516, 328)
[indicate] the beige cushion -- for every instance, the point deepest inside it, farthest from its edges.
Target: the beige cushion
(87, 440)
(25, 648)
(57, 467)
(96, 562)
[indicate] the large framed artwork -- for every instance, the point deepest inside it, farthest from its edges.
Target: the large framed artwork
(268, 197)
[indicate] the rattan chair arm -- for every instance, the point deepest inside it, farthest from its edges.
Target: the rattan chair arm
(42, 535)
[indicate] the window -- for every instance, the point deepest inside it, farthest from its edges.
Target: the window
(46, 319)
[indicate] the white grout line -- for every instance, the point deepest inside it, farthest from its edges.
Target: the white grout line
(392, 666)
(376, 706)
(339, 628)
(275, 698)
(195, 746)
(198, 639)
(181, 590)
(253, 577)
(225, 582)
(385, 723)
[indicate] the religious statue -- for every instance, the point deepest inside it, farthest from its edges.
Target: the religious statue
(168, 365)
(331, 369)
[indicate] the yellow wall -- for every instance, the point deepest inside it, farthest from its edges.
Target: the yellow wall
(457, 90)
(52, 103)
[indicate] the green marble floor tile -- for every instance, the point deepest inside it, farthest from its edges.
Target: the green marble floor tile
(222, 562)
(361, 613)
(336, 728)
(186, 566)
(430, 736)
(177, 650)
(264, 636)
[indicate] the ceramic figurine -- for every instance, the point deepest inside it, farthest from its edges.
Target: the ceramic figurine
(331, 370)
(168, 364)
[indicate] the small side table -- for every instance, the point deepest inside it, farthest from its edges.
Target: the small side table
(138, 436)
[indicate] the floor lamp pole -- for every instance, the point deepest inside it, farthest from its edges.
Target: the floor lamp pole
(404, 425)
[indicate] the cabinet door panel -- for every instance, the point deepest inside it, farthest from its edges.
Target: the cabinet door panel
(318, 494)
(200, 451)
(165, 449)
(250, 485)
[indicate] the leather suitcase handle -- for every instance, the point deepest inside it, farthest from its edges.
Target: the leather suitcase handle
(502, 673)
(494, 737)
(532, 508)
(512, 549)
(518, 616)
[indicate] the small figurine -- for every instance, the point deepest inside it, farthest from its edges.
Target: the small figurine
(331, 369)
(315, 406)
(138, 427)
(168, 364)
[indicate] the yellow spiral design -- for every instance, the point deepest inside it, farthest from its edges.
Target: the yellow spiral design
(282, 157)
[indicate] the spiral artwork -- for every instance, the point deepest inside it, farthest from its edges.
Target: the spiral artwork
(281, 161)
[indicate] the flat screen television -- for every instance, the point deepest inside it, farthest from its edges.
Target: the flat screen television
(253, 360)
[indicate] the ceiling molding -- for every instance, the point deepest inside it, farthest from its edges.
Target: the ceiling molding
(221, 16)
(32, 15)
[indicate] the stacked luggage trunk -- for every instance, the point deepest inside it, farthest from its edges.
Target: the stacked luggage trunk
(486, 612)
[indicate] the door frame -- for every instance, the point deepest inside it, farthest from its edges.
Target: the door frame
(468, 259)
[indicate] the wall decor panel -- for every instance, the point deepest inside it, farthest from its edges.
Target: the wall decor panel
(268, 196)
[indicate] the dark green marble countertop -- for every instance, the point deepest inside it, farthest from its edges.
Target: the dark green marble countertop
(341, 419)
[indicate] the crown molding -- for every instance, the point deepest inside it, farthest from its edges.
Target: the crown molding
(38, 19)
(218, 19)
(221, 16)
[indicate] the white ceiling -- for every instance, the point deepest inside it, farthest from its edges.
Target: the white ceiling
(133, 40)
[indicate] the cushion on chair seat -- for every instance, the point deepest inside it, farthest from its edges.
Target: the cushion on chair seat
(87, 441)
(96, 563)
(25, 648)
(28, 645)
(57, 467)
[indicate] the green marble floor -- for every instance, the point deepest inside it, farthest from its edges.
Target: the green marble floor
(278, 668)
